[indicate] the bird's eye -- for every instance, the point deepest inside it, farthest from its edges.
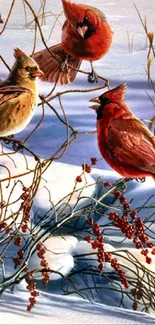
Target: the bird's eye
(104, 101)
(85, 20)
(28, 69)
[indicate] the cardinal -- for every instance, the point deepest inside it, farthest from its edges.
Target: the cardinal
(86, 35)
(18, 95)
(126, 144)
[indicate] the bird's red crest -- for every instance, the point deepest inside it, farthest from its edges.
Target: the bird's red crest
(75, 13)
(72, 11)
(117, 94)
(19, 54)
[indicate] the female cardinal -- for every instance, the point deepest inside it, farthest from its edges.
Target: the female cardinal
(124, 141)
(18, 95)
(86, 35)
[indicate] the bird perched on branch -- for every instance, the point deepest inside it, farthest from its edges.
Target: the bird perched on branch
(18, 95)
(86, 35)
(126, 144)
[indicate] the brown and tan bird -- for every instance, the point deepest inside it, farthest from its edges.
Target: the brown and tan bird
(19, 95)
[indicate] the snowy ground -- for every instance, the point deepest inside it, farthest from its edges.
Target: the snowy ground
(118, 66)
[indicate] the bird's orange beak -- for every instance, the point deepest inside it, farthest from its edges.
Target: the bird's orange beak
(82, 30)
(36, 73)
(97, 101)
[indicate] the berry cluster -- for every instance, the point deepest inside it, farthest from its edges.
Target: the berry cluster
(137, 293)
(32, 288)
(46, 276)
(41, 254)
(18, 260)
(26, 204)
(86, 168)
(130, 225)
(102, 256)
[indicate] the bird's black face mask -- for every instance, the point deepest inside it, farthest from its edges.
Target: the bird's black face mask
(90, 28)
(104, 102)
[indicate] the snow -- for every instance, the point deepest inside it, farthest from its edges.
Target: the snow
(118, 66)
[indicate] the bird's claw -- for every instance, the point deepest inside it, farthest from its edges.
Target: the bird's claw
(92, 77)
(17, 147)
(140, 179)
(7, 141)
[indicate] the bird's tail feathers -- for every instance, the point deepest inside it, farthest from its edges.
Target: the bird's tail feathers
(52, 68)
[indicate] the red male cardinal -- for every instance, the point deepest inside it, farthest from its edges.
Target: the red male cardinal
(124, 141)
(86, 35)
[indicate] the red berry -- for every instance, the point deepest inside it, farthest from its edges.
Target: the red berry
(40, 255)
(117, 194)
(78, 179)
(138, 245)
(143, 238)
(44, 263)
(133, 214)
(100, 260)
(16, 260)
(39, 246)
(97, 231)
(144, 252)
(25, 269)
(29, 307)
(125, 283)
(86, 168)
(24, 228)
(7, 230)
(25, 188)
(138, 222)
(46, 274)
(135, 305)
(35, 293)
(153, 251)
(148, 260)
(20, 253)
(122, 199)
(43, 250)
(24, 196)
(27, 219)
(45, 281)
(139, 294)
(149, 244)
(3, 225)
(94, 244)
(100, 247)
(88, 239)
(93, 161)
(90, 221)
(18, 241)
(32, 300)
(112, 215)
(106, 184)
(135, 240)
(31, 286)
(121, 273)
(100, 239)
(100, 254)
(126, 206)
(29, 276)
(116, 266)
(100, 267)
(108, 257)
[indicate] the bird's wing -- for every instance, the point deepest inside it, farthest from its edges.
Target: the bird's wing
(11, 92)
(131, 143)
